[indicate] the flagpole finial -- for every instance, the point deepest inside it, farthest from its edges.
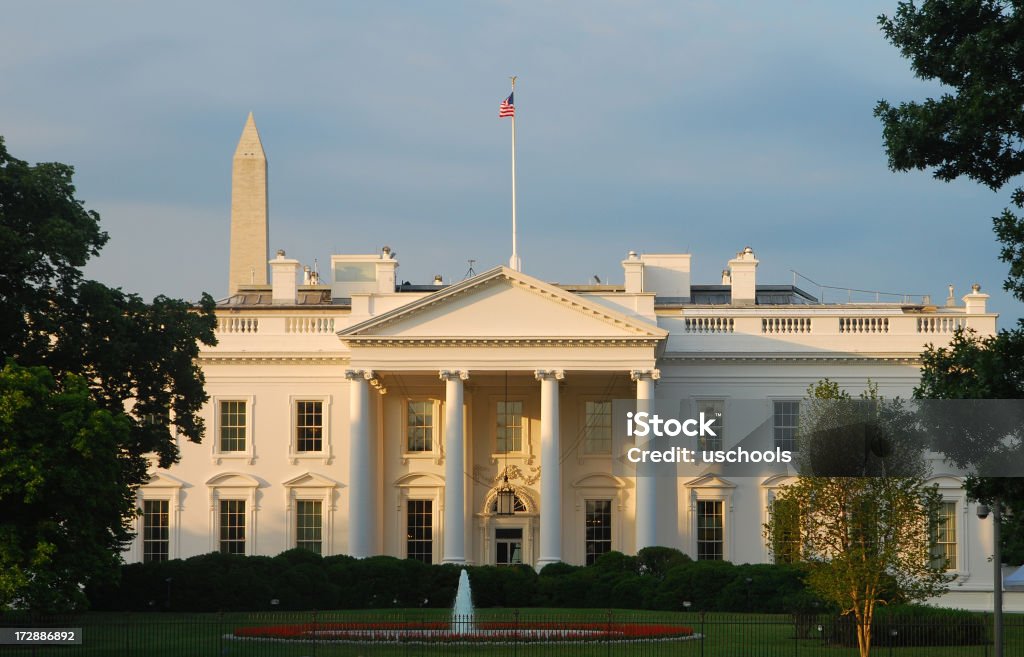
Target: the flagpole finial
(513, 78)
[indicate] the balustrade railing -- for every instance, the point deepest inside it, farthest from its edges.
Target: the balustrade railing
(708, 324)
(863, 324)
(939, 324)
(319, 325)
(775, 325)
(238, 324)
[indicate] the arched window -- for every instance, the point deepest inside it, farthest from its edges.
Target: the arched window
(520, 506)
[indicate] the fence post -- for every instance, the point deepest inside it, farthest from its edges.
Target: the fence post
(515, 633)
(703, 635)
(315, 633)
(608, 637)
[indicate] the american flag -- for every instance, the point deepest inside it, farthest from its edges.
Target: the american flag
(507, 108)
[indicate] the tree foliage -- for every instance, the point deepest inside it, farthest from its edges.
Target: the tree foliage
(977, 367)
(64, 498)
(974, 48)
(867, 537)
(137, 360)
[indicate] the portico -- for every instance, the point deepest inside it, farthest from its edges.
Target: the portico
(420, 357)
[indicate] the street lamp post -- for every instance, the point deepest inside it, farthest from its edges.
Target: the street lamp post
(997, 583)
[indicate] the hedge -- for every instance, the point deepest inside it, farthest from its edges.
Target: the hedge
(915, 625)
(657, 578)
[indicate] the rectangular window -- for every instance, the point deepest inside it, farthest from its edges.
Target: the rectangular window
(786, 518)
(510, 427)
(419, 431)
(597, 432)
(309, 525)
(309, 426)
(710, 530)
(508, 546)
(419, 540)
(598, 529)
(232, 426)
(715, 410)
(787, 416)
(232, 526)
(944, 536)
(156, 526)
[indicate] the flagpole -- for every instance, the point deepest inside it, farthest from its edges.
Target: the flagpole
(514, 263)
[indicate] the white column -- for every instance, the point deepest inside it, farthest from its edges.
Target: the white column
(551, 469)
(454, 468)
(646, 486)
(361, 506)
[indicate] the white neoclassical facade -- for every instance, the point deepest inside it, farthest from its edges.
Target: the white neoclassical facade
(361, 415)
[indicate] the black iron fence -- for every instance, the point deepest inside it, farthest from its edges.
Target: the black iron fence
(561, 633)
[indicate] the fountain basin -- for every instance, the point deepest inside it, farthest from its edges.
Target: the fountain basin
(480, 632)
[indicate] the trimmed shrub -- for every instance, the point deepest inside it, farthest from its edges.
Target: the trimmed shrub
(657, 561)
(915, 625)
(657, 578)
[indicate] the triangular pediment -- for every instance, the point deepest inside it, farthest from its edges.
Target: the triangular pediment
(310, 480)
(163, 480)
(502, 303)
(709, 481)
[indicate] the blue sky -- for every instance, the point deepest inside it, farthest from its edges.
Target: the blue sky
(696, 127)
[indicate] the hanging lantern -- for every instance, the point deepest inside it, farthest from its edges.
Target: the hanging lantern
(506, 498)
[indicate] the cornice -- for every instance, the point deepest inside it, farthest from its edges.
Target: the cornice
(500, 341)
(795, 357)
(274, 358)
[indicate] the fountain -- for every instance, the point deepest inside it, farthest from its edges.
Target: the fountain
(462, 627)
(462, 611)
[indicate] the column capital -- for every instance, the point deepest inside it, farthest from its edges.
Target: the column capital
(653, 374)
(451, 375)
(353, 375)
(541, 375)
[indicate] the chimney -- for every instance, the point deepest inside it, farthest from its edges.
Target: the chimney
(743, 273)
(634, 270)
(284, 274)
(385, 271)
(974, 303)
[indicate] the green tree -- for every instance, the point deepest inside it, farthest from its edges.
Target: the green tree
(974, 48)
(63, 495)
(867, 538)
(975, 130)
(973, 367)
(137, 360)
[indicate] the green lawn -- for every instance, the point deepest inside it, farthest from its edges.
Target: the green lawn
(725, 635)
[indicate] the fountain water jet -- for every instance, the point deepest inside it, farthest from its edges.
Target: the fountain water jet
(462, 611)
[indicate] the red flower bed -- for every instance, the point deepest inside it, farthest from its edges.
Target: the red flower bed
(484, 631)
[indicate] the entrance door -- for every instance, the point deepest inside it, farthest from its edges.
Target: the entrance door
(509, 544)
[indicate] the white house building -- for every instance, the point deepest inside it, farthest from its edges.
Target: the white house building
(364, 416)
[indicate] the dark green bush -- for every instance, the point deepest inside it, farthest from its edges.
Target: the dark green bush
(698, 582)
(656, 578)
(657, 561)
(915, 625)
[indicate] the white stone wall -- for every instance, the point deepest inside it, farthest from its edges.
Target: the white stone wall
(272, 357)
